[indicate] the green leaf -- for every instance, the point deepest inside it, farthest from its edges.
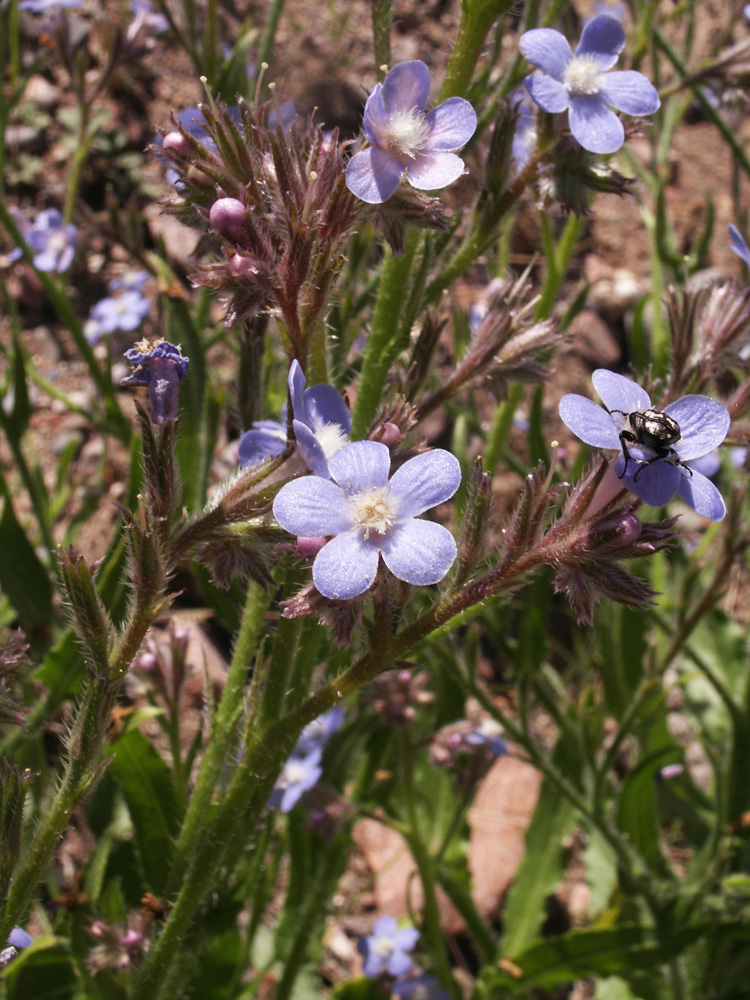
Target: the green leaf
(44, 970)
(359, 989)
(23, 579)
(146, 783)
(542, 867)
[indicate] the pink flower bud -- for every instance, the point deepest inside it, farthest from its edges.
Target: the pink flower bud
(242, 266)
(176, 142)
(309, 547)
(228, 218)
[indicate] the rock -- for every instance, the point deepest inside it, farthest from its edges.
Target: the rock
(41, 92)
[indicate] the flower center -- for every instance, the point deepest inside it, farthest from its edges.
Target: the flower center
(294, 772)
(330, 437)
(582, 76)
(373, 511)
(57, 242)
(383, 946)
(407, 132)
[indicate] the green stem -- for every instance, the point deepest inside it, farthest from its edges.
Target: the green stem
(501, 425)
(477, 17)
(433, 932)
(269, 38)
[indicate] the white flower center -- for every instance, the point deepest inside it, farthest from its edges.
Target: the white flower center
(582, 76)
(373, 510)
(489, 728)
(57, 242)
(407, 132)
(383, 946)
(294, 772)
(331, 437)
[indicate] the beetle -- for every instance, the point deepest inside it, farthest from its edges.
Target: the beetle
(654, 430)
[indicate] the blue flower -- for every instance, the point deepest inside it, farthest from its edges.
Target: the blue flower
(125, 312)
(130, 281)
(299, 775)
(423, 987)
(578, 82)
(321, 423)
(488, 734)
(42, 6)
(386, 948)
(525, 134)
(369, 515)
(738, 244)
(49, 238)
(405, 138)
(160, 366)
(144, 16)
(652, 470)
(17, 940)
(318, 732)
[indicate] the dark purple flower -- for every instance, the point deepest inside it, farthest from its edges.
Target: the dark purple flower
(580, 84)
(318, 732)
(406, 139)
(322, 423)
(738, 244)
(299, 775)
(386, 948)
(125, 312)
(652, 470)
(52, 241)
(160, 366)
(424, 987)
(368, 515)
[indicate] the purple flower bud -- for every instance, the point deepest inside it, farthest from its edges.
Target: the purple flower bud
(310, 546)
(242, 266)
(176, 142)
(227, 216)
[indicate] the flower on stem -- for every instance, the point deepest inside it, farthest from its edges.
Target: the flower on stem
(125, 312)
(121, 946)
(406, 139)
(145, 17)
(160, 366)
(367, 515)
(578, 82)
(50, 239)
(387, 947)
(18, 939)
(318, 732)
(130, 280)
(321, 423)
(654, 445)
(299, 775)
(399, 694)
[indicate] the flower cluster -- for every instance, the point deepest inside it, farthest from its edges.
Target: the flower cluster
(367, 515)
(160, 366)
(655, 446)
(578, 82)
(406, 140)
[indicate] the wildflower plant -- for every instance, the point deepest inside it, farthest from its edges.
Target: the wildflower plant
(323, 569)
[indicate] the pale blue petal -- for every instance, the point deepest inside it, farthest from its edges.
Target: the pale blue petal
(594, 125)
(591, 423)
(324, 405)
(620, 393)
(701, 494)
(630, 92)
(359, 466)
(418, 552)
(704, 424)
(373, 175)
(406, 86)
(425, 481)
(546, 49)
(266, 439)
(18, 938)
(655, 484)
(739, 245)
(312, 506)
(385, 927)
(372, 965)
(603, 39)
(346, 566)
(375, 119)
(296, 382)
(452, 124)
(311, 450)
(399, 963)
(406, 939)
(708, 465)
(431, 171)
(547, 93)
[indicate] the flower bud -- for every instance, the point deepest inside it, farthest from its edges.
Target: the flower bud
(227, 216)
(309, 547)
(242, 266)
(175, 142)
